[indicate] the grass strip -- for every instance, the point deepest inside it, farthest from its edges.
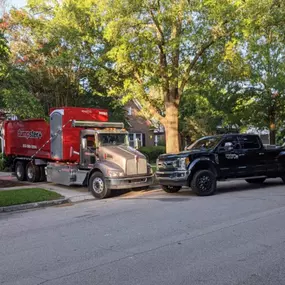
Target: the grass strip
(24, 196)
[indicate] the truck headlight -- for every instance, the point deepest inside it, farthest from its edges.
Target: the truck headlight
(181, 163)
(115, 173)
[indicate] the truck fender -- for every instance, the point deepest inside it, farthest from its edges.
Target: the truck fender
(103, 167)
(282, 153)
(201, 163)
(97, 168)
(281, 156)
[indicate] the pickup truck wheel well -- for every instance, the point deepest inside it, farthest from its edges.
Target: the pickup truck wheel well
(203, 165)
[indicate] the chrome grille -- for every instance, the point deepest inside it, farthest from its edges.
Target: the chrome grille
(165, 165)
(136, 166)
(131, 167)
(142, 166)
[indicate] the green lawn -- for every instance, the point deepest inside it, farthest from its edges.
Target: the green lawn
(23, 196)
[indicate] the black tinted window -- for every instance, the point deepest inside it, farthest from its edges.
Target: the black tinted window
(206, 143)
(232, 140)
(249, 142)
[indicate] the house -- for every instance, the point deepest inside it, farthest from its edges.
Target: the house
(147, 132)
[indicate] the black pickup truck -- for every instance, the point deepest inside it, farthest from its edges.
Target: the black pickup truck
(217, 158)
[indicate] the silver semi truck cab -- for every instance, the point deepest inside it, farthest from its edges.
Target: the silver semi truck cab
(107, 162)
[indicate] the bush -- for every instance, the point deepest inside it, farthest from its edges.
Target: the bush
(5, 162)
(152, 152)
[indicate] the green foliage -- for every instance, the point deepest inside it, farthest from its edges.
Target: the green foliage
(4, 55)
(4, 51)
(50, 65)
(218, 62)
(5, 162)
(152, 152)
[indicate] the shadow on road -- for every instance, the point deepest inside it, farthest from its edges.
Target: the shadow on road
(223, 187)
(244, 186)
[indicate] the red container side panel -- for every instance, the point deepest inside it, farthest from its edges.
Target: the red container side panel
(82, 114)
(71, 135)
(25, 138)
(29, 137)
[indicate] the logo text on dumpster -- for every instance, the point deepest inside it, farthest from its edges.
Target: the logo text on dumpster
(29, 134)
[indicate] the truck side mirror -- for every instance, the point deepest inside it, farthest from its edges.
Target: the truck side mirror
(136, 144)
(229, 146)
(127, 142)
(84, 143)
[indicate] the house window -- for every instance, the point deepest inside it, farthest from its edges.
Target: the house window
(156, 140)
(130, 111)
(139, 136)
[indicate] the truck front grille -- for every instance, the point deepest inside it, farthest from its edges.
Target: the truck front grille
(165, 166)
(136, 166)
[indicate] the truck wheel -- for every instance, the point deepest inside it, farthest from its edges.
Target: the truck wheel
(283, 179)
(204, 183)
(42, 174)
(97, 186)
(20, 171)
(32, 172)
(255, 180)
(170, 189)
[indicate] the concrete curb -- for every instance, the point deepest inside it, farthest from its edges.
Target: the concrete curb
(34, 205)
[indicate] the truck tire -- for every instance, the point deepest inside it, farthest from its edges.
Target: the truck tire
(255, 180)
(32, 172)
(283, 179)
(170, 189)
(204, 183)
(42, 174)
(97, 186)
(20, 171)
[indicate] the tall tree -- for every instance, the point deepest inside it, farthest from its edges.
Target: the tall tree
(158, 45)
(49, 64)
(259, 96)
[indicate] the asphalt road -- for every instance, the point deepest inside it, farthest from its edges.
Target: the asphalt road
(235, 237)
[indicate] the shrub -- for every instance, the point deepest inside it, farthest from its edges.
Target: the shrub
(152, 152)
(5, 162)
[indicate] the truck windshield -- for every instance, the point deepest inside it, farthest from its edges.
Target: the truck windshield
(206, 143)
(113, 139)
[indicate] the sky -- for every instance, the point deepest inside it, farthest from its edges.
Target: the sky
(17, 3)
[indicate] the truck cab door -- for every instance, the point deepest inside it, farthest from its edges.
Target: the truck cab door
(87, 151)
(228, 156)
(253, 160)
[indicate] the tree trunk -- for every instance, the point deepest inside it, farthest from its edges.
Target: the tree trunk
(272, 124)
(171, 127)
(272, 137)
(272, 134)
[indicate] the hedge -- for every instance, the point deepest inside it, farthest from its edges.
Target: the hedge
(5, 162)
(152, 152)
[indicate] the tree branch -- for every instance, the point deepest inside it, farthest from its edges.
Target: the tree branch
(191, 65)
(160, 44)
(151, 108)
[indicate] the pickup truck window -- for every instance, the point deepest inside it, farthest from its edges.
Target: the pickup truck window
(249, 142)
(234, 141)
(205, 144)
